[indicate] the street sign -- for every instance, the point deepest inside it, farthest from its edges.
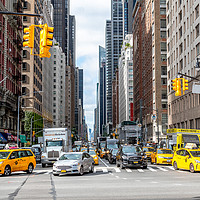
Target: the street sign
(196, 88)
(153, 117)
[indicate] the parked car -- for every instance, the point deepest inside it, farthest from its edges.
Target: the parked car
(16, 160)
(112, 156)
(131, 156)
(162, 156)
(188, 159)
(73, 163)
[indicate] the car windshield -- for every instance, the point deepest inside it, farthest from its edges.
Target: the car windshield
(131, 149)
(54, 143)
(195, 153)
(165, 151)
(114, 151)
(103, 144)
(36, 150)
(112, 146)
(147, 149)
(92, 153)
(71, 157)
(4, 155)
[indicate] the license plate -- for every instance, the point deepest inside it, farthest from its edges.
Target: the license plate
(63, 171)
(168, 160)
(135, 162)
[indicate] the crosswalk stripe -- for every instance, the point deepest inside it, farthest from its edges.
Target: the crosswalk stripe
(170, 167)
(117, 169)
(128, 170)
(140, 170)
(162, 169)
(151, 169)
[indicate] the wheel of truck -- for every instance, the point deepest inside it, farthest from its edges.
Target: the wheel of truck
(43, 165)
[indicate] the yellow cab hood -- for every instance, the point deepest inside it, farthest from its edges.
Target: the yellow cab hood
(2, 160)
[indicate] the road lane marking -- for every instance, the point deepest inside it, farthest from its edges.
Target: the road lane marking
(162, 169)
(128, 170)
(140, 170)
(151, 169)
(117, 176)
(103, 162)
(125, 178)
(117, 169)
(170, 167)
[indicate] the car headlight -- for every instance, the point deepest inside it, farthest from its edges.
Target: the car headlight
(1, 162)
(54, 165)
(124, 157)
(197, 161)
(160, 157)
(76, 164)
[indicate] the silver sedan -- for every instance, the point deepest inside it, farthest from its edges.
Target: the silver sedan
(73, 163)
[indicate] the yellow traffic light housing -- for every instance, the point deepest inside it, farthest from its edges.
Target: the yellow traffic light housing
(29, 37)
(178, 83)
(185, 85)
(45, 43)
(174, 84)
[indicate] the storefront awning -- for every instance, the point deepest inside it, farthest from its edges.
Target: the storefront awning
(2, 139)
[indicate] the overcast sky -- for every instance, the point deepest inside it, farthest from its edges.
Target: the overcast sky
(91, 16)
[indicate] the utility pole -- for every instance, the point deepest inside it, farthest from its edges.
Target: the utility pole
(31, 130)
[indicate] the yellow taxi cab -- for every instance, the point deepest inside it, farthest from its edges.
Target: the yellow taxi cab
(95, 157)
(13, 160)
(162, 156)
(102, 153)
(188, 159)
(148, 151)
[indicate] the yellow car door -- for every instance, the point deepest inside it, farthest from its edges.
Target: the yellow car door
(23, 160)
(13, 161)
(187, 160)
(181, 159)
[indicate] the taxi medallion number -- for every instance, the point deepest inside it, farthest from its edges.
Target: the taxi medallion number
(135, 162)
(63, 171)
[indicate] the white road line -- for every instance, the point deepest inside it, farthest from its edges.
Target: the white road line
(117, 169)
(162, 169)
(140, 170)
(117, 176)
(124, 178)
(151, 169)
(103, 162)
(170, 167)
(128, 170)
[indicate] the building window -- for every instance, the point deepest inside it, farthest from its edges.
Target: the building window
(163, 70)
(25, 5)
(163, 34)
(163, 11)
(197, 49)
(197, 30)
(163, 81)
(163, 46)
(164, 106)
(54, 62)
(164, 57)
(163, 2)
(163, 23)
(164, 94)
(25, 18)
(197, 12)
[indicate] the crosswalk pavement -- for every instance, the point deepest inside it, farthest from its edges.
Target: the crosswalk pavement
(150, 168)
(128, 170)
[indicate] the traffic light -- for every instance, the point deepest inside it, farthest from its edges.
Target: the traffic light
(33, 135)
(178, 84)
(29, 37)
(174, 84)
(45, 43)
(185, 85)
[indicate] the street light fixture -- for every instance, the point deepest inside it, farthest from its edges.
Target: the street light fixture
(19, 97)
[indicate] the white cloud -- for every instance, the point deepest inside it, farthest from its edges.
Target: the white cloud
(91, 16)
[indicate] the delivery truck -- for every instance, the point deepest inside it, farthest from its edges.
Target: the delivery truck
(56, 141)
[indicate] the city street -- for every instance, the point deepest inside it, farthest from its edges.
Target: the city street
(107, 182)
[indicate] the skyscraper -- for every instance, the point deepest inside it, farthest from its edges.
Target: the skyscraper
(102, 89)
(72, 41)
(108, 71)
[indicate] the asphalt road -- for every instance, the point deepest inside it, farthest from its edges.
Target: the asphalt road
(106, 183)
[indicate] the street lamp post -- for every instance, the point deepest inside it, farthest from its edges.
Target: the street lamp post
(19, 97)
